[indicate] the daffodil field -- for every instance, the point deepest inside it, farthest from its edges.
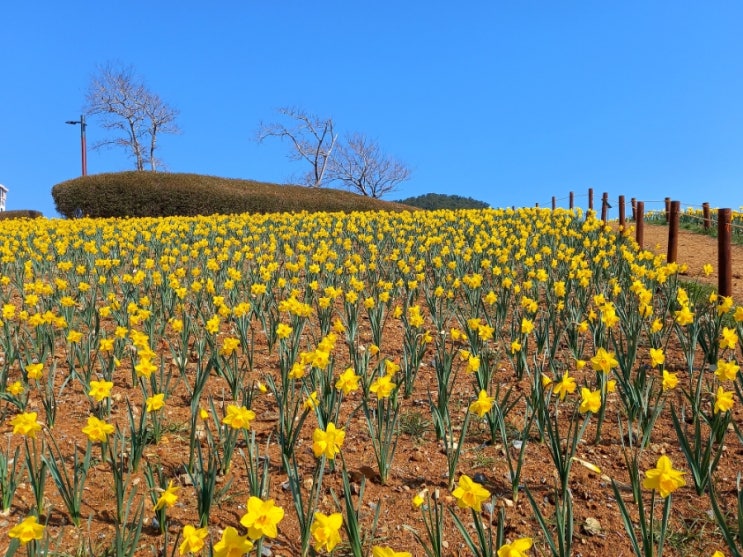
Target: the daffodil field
(250, 385)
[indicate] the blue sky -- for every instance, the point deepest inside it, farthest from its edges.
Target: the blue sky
(507, 102)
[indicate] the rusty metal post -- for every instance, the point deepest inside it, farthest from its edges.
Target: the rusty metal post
(673, 231)
(724, 253)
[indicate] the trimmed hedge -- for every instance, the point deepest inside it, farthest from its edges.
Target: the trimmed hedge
(161, 194)
(21, 214)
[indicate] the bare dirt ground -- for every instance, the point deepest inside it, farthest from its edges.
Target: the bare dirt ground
(418, 463)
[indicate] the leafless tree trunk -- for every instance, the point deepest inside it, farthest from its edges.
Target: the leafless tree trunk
(312, 139)
(160, 119)
(360, 166)
(134, 115)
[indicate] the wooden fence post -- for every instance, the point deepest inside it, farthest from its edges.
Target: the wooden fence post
(634, 208)
(621, 213)
(590, 199)
(668, 209)
(705, 214)
(605, 207)
(639, 223)
(673, 231)
(724, 253)
(572, 200)
(554, 202)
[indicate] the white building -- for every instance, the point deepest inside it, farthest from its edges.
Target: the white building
(3, 195)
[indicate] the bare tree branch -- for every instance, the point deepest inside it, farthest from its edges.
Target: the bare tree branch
(312, 139)
(360, 166)
(134, 115)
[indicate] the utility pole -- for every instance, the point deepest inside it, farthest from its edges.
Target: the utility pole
(83, 147)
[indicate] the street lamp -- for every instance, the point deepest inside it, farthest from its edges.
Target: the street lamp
(83, 148)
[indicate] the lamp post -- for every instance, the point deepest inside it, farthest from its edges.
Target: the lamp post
(83, 148)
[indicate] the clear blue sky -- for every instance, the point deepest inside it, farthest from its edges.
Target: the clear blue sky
(507, 102)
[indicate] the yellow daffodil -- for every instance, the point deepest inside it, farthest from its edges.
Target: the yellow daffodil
(328, 442)
(155, 402)
(348, 381)
(229, 345)
(391, 368)
(28, 530)
(262, 518)
(34, 371)
(517, 548)
(384, 551)
(473, 364)
(238, 417)
(728, 338)
(663, 478)
(483, 404)
(419, 498)
(670, 380)
(604, 360)
(168, 497)
(98, 430)
(325, 531)
(566, 385)
(657, 357)
(100, 389)
(25, 424)
(726, 371)
(311, 401)
(470, 494)
(684, 316)
(145, 367)
(283, 330)
(212, 325)
(232, 544)
(382, 386)
(15, 388)
(723, 400)
(193, 539)
(590, 400)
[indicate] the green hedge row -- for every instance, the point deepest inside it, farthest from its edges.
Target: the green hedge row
(21, 214)
(161, 194)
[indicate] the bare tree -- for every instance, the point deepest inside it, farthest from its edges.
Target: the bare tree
(312, 138)
(360, 166)
(134, 114)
